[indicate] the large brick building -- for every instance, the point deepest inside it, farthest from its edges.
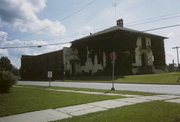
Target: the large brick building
(137, 52)
(36, 67)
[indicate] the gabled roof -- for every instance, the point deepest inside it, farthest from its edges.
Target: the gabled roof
(119, 28)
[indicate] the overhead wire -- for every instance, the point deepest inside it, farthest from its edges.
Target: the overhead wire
(79, 10)
(66, 37)
(164, 27)
(148, 20)
(64, 18)
(152, 18)
(159, 18)
(32, 46)
(170, 26)
(156, 20)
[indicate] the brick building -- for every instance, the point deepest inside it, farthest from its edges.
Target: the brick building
(137, 52)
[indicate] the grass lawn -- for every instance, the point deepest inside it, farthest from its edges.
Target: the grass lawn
(21, 100)
(163, 78)
(95, 90)
(168, 78)
(156, 111)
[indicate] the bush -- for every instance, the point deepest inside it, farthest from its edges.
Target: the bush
(7, 79)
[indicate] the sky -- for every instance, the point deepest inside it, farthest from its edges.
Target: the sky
(41, 22)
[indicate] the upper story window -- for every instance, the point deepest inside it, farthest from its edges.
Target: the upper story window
(143, 43)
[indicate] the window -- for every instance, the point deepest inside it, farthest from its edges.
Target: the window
(143, 43)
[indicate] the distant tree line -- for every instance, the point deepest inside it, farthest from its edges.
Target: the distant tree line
(8, 74)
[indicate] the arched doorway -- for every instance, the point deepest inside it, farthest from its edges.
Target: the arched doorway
(75, 67)
(144, 59)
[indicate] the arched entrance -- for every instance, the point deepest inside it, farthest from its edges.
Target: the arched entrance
(75, 67)
(144, 59)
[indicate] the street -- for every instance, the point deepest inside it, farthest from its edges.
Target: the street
(154, 88)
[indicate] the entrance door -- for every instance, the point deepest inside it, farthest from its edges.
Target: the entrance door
(73, 68)
(144, 60)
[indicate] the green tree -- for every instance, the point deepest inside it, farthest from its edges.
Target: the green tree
(7, 74)
(5, 65)
(7, 79)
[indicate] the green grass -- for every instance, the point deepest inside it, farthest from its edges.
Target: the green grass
(157, 111)
(95, 90)
(21, 100)
(164, 78)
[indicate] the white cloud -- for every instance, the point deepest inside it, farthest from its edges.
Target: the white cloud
(15, 53)
(3, 36)
(170, 34)
(22, 14)
(124, 10)
(85, 30)
(23, 43)
(29, 51)
(4, 52)
(170, 55)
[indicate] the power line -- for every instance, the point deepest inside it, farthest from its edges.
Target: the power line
(79, 10)
(88, 4)
(39, 46)
(152, 18)
(156, 20)
(32, 46)
(65, 37)
(66, 17)
(170, 26)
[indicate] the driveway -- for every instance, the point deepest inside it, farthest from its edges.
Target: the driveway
(154, 88)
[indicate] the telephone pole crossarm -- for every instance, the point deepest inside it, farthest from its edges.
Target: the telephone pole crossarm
(177, 50)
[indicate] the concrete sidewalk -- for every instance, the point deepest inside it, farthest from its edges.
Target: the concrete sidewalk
(76, 110)
(92, 92)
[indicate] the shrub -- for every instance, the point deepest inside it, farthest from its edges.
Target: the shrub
(7, 79)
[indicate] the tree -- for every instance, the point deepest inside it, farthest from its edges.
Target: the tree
(5, 65)
(7, 79)
(7, 74)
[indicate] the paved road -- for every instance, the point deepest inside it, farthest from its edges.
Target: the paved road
(164, 89)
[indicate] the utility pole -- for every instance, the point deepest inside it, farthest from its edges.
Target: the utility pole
(177, 48)
(113, 58)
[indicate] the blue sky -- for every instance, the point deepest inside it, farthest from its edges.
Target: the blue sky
(38, 22)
